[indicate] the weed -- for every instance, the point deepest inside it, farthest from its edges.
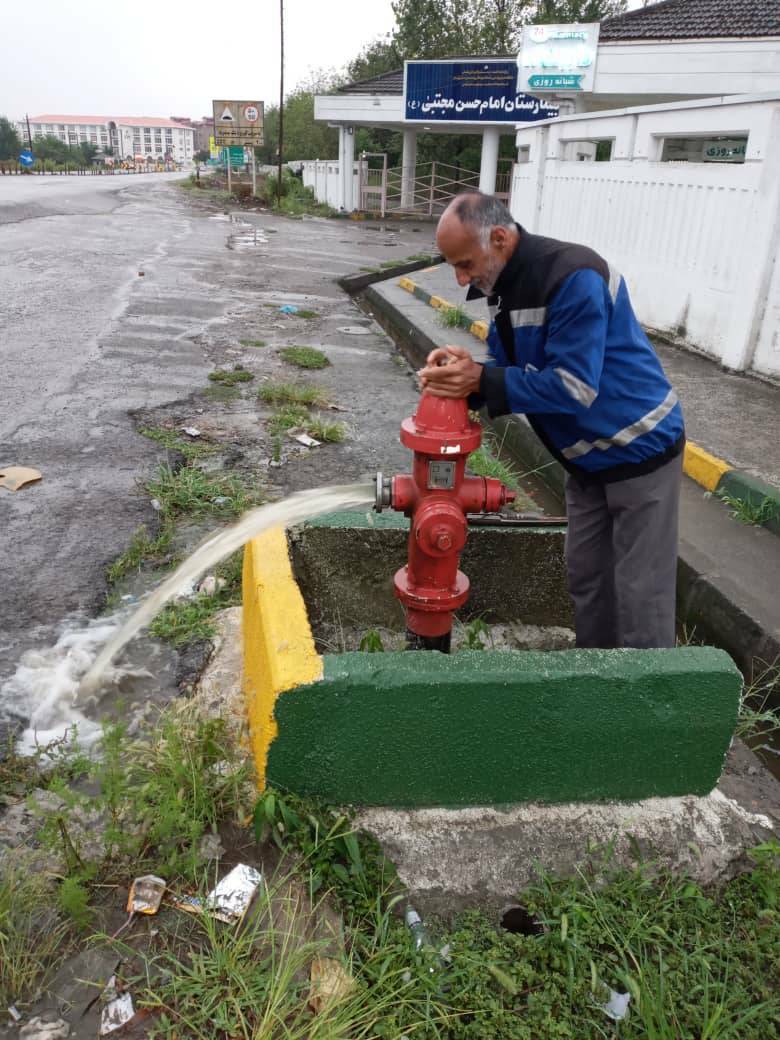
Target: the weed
(371, 642)
(218, 392)
(231, 377)
(190, 491)
(453, 317)
(308, 314)
(286, 417)
(370, 270)
(290, 393)
(142, 549)
(325, 430)
(304, 357)
(757, 719)
(172, 441)
(484, 463)
(751, 510)
(390, 263)
(32, 937)
(477, 635)
(190, 620)
(253, 343)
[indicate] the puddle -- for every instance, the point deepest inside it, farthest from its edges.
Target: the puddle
(251, 238)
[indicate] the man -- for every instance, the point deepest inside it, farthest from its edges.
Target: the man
(567, 351)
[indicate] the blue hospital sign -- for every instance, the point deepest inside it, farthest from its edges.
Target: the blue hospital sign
(469, 92)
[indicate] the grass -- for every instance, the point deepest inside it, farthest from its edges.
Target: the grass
(190, 448)
(231, 377)
(750, 510)
(326, 430)
(192, 620)
(309, 315)
(453, 317)
(218, 392)
(484, 463)
(697, 962)
(253, 343)
(32, 938)
(286, 417)
(292, 393)
(304, 357)
(182, 492)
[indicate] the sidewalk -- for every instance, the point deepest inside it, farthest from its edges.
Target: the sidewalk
(729, 572)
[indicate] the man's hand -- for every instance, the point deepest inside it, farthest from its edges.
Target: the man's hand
(450, 372)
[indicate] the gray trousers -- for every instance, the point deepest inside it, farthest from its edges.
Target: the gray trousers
(621, 558)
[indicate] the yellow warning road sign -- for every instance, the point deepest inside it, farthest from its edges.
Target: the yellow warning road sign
(238, 123)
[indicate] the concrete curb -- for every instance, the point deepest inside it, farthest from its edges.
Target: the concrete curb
(355, 283)
(714, 474)
(403, 729)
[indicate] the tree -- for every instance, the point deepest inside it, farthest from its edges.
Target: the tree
(375, 59)
(51, 147)
(550, 12)
(10, 142)
(88, 152)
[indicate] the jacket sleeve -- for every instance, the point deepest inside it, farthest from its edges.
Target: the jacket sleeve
(577, 319)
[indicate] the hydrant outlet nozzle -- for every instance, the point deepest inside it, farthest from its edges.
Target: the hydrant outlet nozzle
(384, 492)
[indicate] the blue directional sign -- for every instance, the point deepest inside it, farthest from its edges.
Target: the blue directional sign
(26, 157)
(469, 92)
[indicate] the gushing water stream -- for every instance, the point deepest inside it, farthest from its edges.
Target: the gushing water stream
(291, 510)
(53, 687)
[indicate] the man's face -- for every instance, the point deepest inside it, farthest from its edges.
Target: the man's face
(473, 262)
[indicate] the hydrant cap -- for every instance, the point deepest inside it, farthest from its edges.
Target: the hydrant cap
(441, 426)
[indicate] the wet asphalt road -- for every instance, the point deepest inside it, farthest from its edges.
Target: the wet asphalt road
(86, 338)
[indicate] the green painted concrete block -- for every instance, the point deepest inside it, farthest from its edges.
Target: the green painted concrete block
(482, 728)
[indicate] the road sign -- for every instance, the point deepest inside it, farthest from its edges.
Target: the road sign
(26, 157)
(238, 123)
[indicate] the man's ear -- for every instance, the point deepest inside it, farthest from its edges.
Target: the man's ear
(499, 238)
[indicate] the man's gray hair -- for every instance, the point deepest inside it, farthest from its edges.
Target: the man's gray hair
(482, 212)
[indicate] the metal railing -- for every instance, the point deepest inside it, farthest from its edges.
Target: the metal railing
(424, 190)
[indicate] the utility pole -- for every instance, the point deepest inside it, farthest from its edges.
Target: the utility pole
(281, 102)
(29, 134)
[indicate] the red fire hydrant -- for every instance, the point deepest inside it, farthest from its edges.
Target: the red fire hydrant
(437, 495)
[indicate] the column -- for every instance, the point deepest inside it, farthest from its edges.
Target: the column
(408, 168)
(349, 164)
(341, 194)
(488, 166)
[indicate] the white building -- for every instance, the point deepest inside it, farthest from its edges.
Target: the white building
(142, 138)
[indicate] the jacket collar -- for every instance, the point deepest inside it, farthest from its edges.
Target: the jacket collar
(508, 272)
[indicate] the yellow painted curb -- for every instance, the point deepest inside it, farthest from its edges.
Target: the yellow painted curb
(439, 303)
(479, 329)
(702, 467)
(279, 651)
(407, 283)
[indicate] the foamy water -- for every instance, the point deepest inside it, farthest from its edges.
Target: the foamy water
(55, 687)
(45, 684)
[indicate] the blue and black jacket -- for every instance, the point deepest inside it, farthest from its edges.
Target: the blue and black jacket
(566, 350)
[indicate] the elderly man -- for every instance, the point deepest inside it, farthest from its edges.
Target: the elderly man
(567, 351)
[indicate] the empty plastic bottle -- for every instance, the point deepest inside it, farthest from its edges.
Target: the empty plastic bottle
(417, 928)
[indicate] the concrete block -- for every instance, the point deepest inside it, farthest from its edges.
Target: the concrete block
(483, 728)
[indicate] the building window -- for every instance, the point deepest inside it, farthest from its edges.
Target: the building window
(704, 149)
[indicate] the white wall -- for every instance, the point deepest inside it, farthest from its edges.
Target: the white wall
(696, 242)
(322, 176)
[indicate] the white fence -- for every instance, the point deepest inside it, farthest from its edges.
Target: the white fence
(322, 176)
(696, 240)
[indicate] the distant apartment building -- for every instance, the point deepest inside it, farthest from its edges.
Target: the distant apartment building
(203, 127)
(144, 138)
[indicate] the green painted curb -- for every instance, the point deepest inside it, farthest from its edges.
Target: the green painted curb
(754, 493)
(484, 728)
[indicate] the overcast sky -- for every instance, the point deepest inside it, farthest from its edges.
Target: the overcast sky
(169, 57)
